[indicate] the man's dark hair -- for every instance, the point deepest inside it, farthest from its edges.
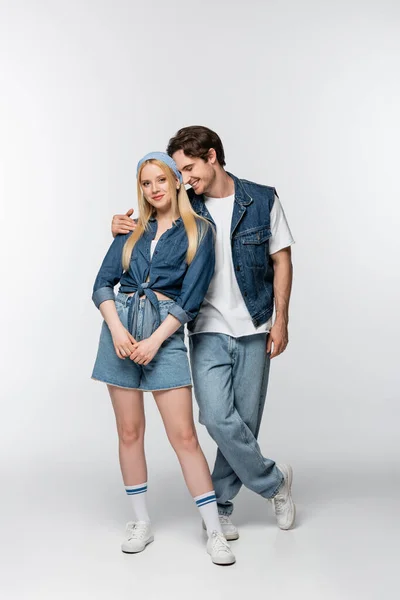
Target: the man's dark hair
(196, 141)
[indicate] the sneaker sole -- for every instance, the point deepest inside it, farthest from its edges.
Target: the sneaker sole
(223, 562)
(231, 537)
(151, 539)
(292, 504)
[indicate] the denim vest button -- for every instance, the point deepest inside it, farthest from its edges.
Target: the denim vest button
(237, 267)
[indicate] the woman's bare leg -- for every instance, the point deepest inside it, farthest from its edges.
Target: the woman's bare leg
(176, 410)
(130, 419)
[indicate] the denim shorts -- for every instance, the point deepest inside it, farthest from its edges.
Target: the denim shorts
(169, 368)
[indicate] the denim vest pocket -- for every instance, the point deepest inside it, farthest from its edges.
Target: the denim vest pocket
(256, 247)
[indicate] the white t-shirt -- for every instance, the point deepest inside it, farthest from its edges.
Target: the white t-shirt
(223, 309)
(152, 248)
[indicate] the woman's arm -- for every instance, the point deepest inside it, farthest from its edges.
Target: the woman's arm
(196, 281)
(124, 342)
(103, 297)
(110, 272)
(145, 351)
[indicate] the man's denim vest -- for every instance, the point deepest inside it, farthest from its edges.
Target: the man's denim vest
(250, 233)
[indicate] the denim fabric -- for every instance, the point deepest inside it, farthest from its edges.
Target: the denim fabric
(230, 378)
(250, 233)
(169, 368)
(168, 270)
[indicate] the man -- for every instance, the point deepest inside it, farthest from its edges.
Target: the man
(233, 339)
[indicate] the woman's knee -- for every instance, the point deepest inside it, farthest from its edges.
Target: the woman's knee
(185, 440)
(130, 434)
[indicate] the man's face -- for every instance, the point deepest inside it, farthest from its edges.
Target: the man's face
(195, 171)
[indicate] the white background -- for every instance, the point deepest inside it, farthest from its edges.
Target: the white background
(305, 96)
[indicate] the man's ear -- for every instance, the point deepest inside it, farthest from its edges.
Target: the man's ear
(212, 156)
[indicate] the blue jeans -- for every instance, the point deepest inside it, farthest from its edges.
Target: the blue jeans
(230, 378)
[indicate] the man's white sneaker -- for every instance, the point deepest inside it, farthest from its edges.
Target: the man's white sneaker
(219, 549)
(229, 530)
(285, 509)
(138, 535)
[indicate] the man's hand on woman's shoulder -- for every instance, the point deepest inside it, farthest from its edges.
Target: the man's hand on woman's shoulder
(123, 223)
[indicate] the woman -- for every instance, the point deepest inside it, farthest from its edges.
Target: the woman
(164, 268)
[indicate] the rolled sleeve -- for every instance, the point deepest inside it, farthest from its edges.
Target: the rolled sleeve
(196, 281)
(179, 313)
(110, 272)
(102, 294)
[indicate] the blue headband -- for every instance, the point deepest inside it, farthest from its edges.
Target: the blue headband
(163, 157)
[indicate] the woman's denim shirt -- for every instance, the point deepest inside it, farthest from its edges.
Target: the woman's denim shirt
(167, 271)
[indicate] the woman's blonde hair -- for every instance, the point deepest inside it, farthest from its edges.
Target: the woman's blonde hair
(195, 225)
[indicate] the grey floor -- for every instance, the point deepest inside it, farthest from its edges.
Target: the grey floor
(62, 522)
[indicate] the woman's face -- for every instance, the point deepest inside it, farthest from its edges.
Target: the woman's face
(155, 187)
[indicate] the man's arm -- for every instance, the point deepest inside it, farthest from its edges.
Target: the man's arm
(122, 223)
(283, 275)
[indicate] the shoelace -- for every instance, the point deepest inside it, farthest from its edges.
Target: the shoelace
(219, 542)
(136, 531)
(279, 503)
(224, 520)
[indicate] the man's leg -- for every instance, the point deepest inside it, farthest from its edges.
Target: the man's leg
(213, 358)
(227, 482)
(250, 384)
(210, 360)
(251, 359)
(250, 379)
(249, 401)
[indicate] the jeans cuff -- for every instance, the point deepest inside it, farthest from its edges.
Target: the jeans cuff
(276, 492)
(225, 512)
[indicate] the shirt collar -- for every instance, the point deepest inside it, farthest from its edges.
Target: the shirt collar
(154, 220)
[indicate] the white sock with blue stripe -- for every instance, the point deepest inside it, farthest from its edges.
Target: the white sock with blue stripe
(207, 505)
(138, 495)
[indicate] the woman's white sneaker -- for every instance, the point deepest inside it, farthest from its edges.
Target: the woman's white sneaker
(285, 509)
(138, 535)
(219, 549)
(229, 530)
